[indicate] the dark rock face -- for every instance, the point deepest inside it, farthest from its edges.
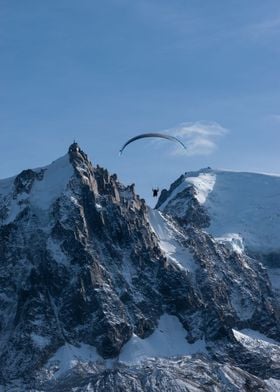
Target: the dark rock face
(24, 181)
(165, 194)
(190, 212)
(235, 286)
(89, 269)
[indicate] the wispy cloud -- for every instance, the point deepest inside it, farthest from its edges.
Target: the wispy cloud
(201, 137)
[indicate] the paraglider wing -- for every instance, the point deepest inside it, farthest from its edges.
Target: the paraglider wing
(144, 135)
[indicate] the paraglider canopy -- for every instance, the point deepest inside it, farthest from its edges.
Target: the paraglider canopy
(153, 134)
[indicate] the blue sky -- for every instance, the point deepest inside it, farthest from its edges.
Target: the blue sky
(103, 71)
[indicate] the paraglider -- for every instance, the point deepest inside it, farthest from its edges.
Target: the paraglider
(153, 134)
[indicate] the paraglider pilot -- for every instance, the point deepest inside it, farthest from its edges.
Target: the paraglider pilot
(155, 192)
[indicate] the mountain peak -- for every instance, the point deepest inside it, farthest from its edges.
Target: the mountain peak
(77, 155)
(74, 147)
(93, 279)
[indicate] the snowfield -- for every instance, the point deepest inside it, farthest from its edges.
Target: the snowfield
(247, 204)
(239, 203)
(168, 340)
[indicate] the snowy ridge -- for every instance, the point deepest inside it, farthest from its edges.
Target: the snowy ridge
(243, 211)
(39, 188)
(203, 182)
(204, 185)
(246, 204)
(253, 339)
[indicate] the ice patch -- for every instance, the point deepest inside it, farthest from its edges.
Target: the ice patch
(167, 340)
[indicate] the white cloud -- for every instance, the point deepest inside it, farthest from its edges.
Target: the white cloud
(200, 137)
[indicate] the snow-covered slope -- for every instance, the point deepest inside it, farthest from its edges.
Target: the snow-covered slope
(247, 204)
(169, 241)
(38, 188)
(242, 211)
(168, 340)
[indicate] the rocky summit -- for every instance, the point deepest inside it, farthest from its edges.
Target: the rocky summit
(99, 292)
